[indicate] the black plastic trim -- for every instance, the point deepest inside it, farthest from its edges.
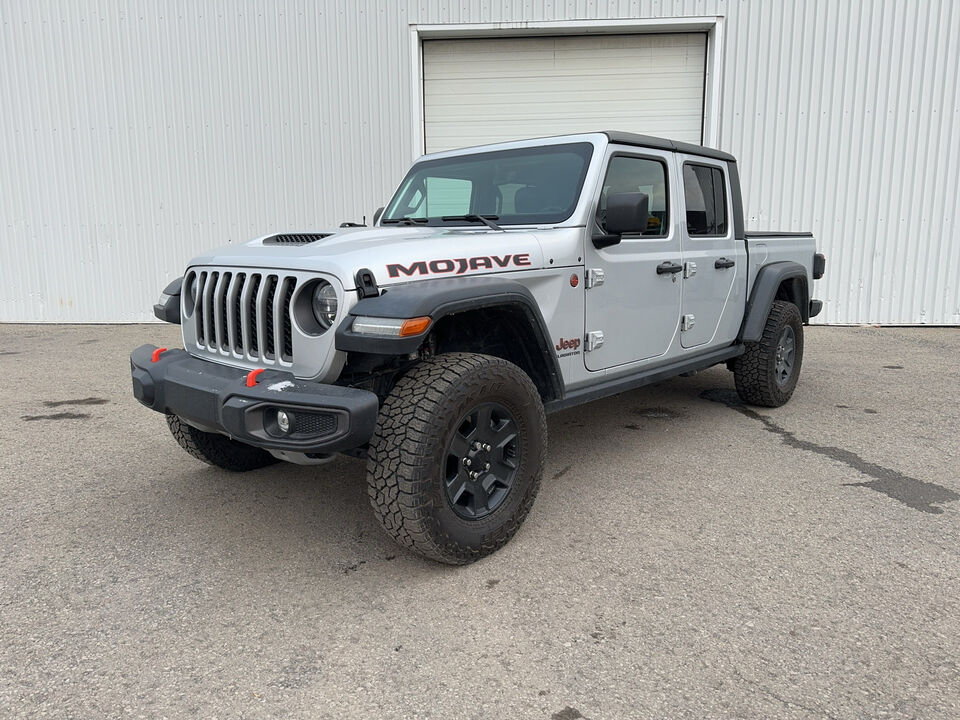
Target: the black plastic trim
(770, 234)
(764, 293)
(739, 231)
(216, 396)
(439, 298)
(646, 376)
(625, 138)
(170, 310)
(815, 307)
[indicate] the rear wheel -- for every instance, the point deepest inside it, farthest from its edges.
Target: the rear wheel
(216, 449)
(767, 372)
(457, 456)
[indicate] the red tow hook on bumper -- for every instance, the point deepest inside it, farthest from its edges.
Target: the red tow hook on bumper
(156, 354)
(252, 376)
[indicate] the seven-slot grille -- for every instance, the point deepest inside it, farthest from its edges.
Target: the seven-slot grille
(245, 314)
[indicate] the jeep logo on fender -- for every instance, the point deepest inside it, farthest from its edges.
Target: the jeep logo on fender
(568, 344)
(458, 266)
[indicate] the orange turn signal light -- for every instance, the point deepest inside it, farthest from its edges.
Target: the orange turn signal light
(414, 326)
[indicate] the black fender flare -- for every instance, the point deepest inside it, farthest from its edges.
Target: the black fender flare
(764, 292)
(438, 299)
(169, 311)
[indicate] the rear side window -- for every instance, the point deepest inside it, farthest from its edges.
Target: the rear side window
(705, 193)
(629, 174)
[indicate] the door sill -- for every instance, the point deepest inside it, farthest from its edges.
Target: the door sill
(643, 377)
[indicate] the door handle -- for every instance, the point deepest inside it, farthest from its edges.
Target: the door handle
(723, 264)
(668, 267)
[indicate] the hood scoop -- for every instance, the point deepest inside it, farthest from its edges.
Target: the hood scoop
(300, 239)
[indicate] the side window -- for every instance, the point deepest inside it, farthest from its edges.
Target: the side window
(632, 174)
(705, 195)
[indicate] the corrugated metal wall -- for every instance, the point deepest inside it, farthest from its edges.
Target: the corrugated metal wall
(135, 134)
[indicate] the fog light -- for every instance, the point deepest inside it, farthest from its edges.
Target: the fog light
(284, 421)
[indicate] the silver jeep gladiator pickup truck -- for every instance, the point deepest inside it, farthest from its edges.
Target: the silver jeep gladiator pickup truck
(501, 282)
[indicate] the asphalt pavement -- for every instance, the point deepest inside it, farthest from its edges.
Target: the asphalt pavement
(687, 556)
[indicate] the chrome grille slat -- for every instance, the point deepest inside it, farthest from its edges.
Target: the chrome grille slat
(231, 302)
(201, 279)
(208, 308)
(218, 308)
(246, 317)
(245, 335)
(262, 319)
(270, 317)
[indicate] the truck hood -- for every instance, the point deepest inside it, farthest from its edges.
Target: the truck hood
(393, 254)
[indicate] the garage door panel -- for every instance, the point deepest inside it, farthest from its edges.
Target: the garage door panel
(490, 90)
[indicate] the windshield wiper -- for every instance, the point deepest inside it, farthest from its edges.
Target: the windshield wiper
(404, 221)
(485, 219)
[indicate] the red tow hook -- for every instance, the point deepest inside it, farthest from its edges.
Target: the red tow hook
(252, 376)
(157, 353)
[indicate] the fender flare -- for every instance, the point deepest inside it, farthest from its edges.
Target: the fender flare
(169, 310)
(438, 299)
(765, 287)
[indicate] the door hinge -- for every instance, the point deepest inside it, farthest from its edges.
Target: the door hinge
(594, 340)
(594, 277)
(688, 322)
(689, 269)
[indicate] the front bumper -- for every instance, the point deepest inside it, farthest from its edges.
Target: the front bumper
(214, 397)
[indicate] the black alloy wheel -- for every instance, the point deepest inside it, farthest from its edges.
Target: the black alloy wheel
(481, 461)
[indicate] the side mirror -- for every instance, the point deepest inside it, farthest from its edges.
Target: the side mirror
(376, 215)
(627, 213)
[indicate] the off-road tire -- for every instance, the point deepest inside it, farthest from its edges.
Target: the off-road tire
(755, 371)
(410, 449)
(216, 449)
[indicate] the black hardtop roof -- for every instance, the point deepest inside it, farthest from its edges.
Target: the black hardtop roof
(625, 138)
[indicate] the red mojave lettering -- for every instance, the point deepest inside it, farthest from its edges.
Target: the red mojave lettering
(457, 266)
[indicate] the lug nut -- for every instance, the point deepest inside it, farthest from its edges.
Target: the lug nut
(468, 462)
(487, 466)
(486, 447)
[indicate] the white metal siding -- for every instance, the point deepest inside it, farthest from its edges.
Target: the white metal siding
(135, 134)
(489, 90)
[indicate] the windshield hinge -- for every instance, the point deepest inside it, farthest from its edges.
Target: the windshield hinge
(366, 284)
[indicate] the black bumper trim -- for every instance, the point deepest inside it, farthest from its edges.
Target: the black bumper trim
(216, 396)
(815, 307)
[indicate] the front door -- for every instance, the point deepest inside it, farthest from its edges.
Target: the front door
(637, 305)
(711, 261)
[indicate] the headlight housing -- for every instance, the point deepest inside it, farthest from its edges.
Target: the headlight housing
(325, 304)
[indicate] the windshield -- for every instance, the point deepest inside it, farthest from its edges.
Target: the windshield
(526, 186)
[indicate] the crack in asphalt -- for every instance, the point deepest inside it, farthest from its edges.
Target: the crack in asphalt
(916, 494)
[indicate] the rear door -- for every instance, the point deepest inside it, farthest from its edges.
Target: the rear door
(712, 261)
(636, 308)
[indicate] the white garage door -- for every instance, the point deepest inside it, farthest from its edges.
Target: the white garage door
(489, 90)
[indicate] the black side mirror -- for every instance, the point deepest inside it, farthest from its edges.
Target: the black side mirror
(377, 214)
(627, 213)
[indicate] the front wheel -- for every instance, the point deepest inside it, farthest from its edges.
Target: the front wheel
(219, 450)
(767, 372)
(457, 456)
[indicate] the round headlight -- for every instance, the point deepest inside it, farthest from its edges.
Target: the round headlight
(324, 304)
